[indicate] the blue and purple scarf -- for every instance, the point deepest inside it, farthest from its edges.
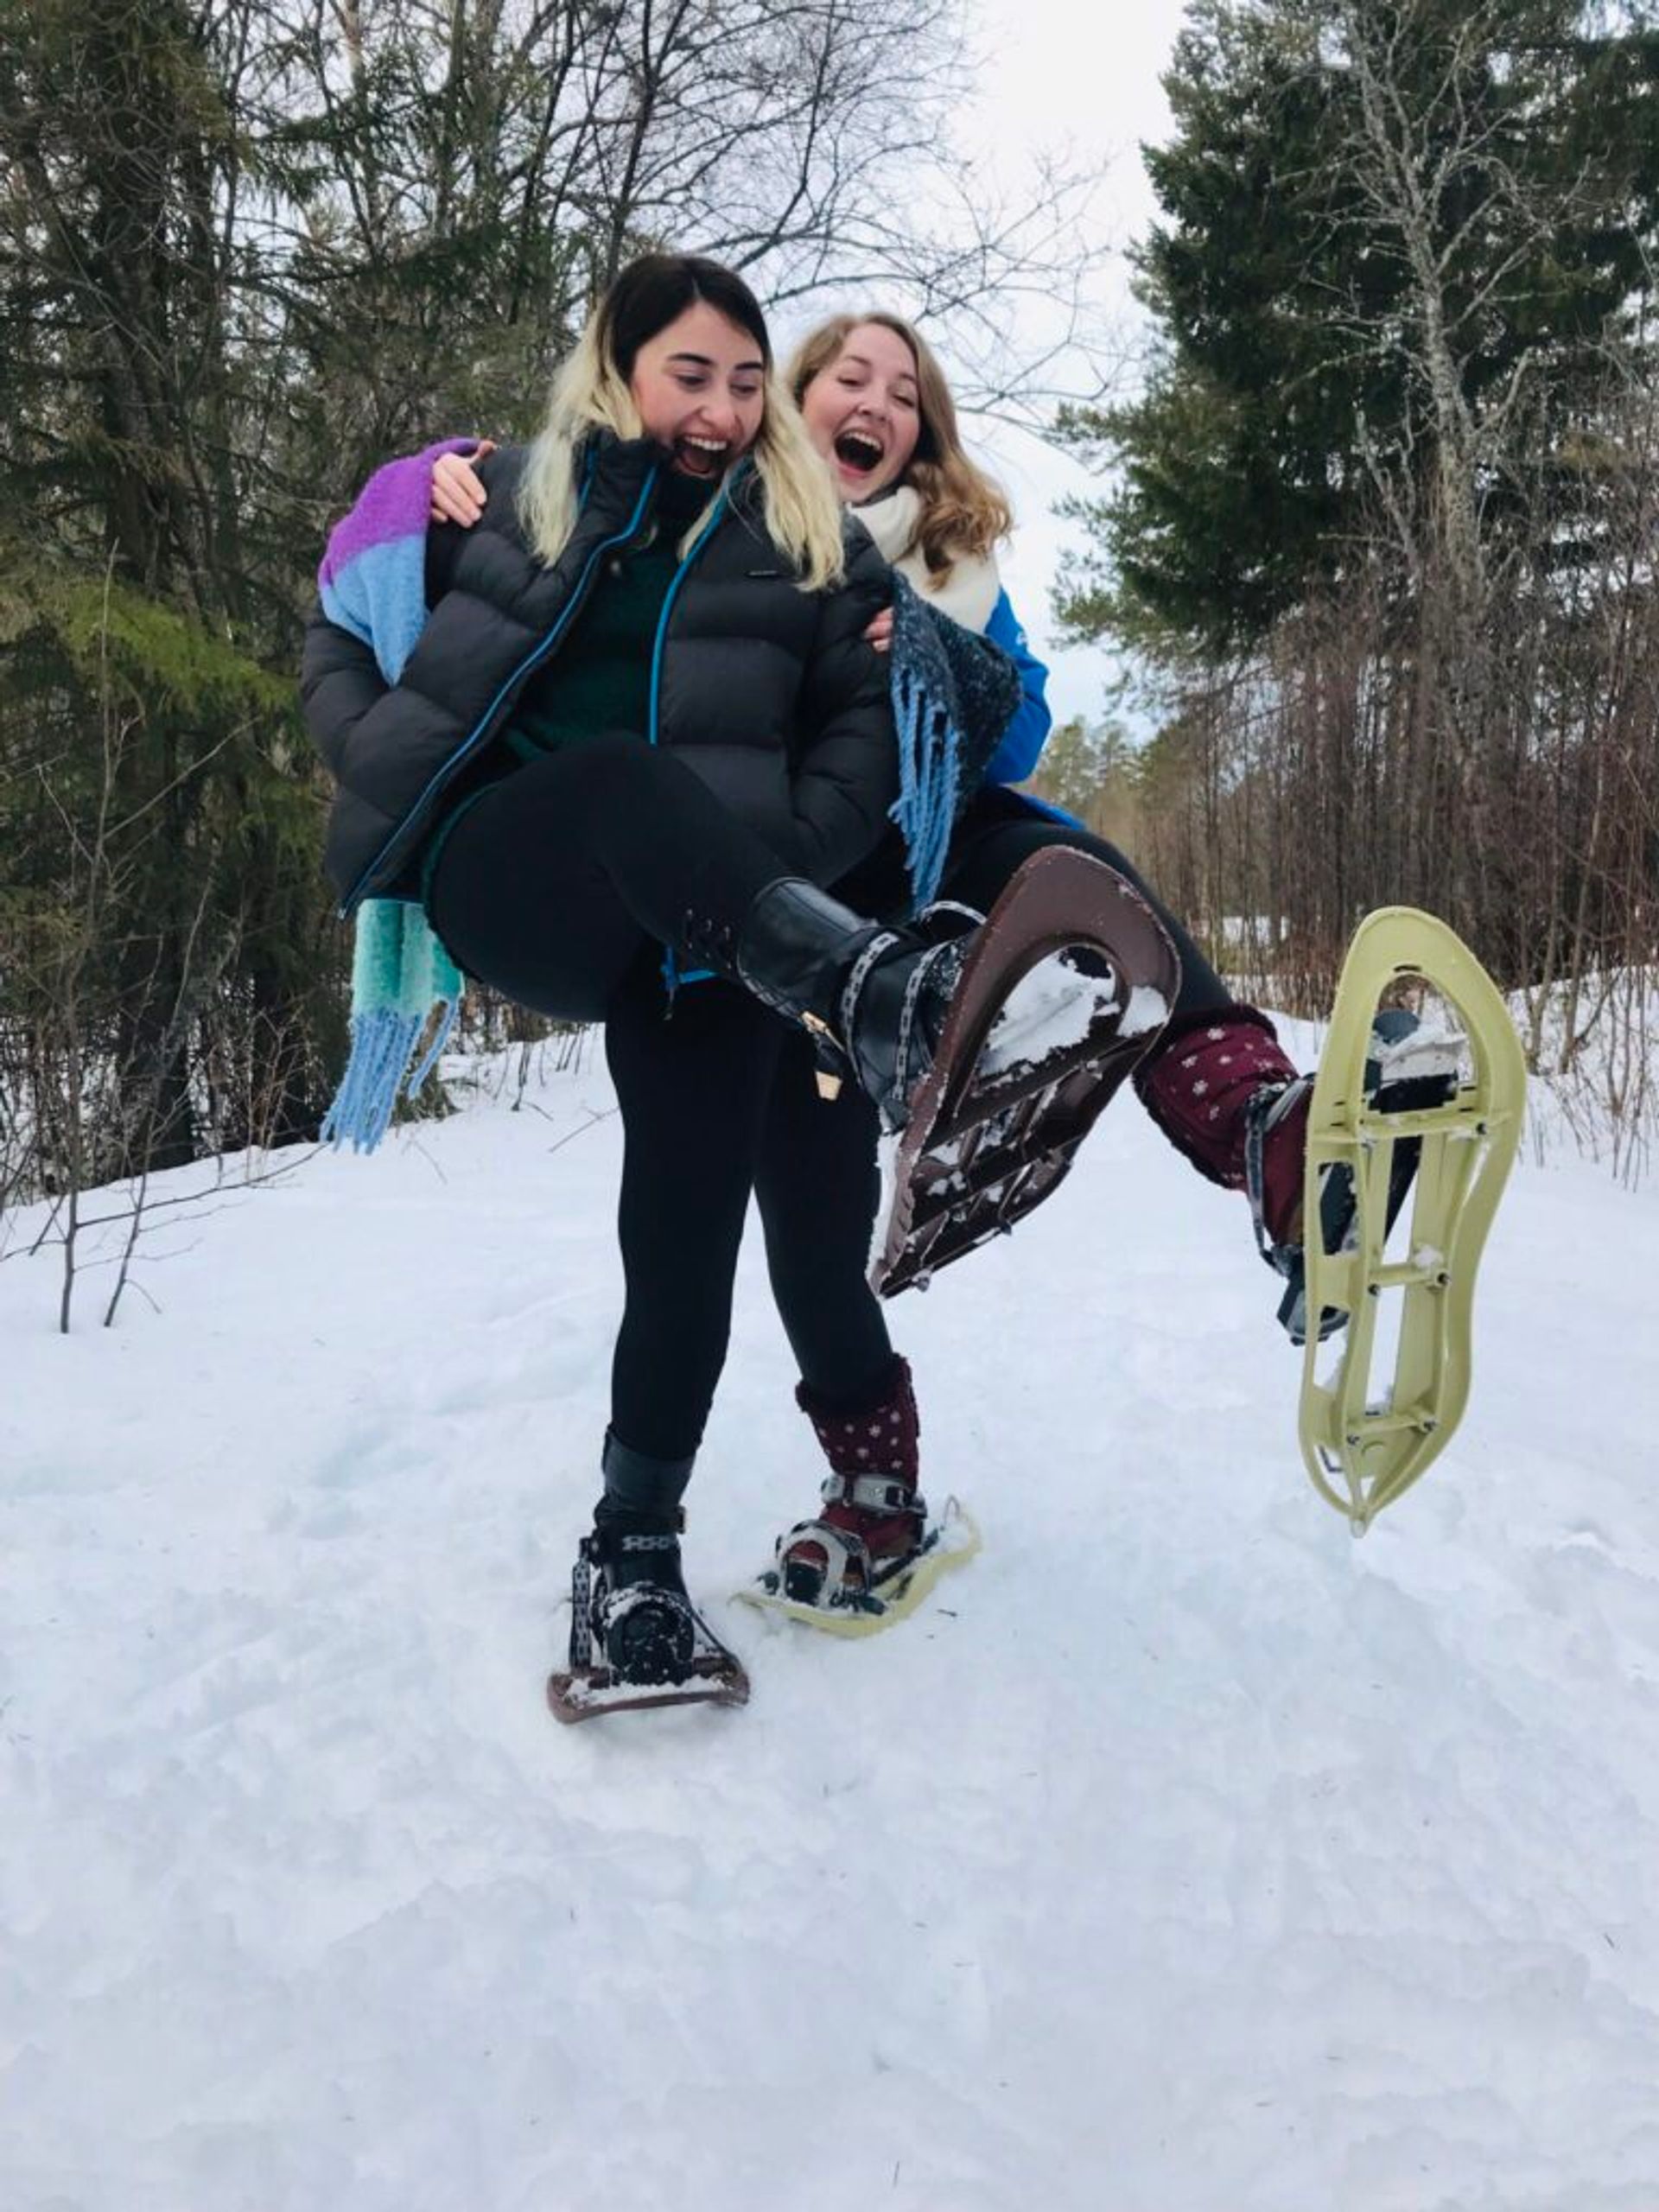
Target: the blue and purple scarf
(373, 583)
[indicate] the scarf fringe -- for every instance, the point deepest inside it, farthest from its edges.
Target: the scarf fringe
(929, 775)
(384, 1041)
(448, 1013)
(401, 977)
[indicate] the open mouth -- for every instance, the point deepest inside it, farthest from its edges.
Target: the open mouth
(702, 457)
(861, 454)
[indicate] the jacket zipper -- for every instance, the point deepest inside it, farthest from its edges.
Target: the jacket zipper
(481, 729)
(672, 976)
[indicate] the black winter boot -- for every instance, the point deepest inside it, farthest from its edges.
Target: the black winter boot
(640, 1615)
(874, 998)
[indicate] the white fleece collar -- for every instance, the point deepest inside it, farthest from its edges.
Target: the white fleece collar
(967, 594)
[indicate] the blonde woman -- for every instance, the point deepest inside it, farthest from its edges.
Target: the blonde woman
(638, 712)
(878, 408)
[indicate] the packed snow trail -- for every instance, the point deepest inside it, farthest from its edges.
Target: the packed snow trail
(1185, 1854)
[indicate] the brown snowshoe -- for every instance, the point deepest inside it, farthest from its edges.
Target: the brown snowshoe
(717, 1677)
(1068, 982)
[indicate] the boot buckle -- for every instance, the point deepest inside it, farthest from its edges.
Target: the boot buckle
(824, 1045)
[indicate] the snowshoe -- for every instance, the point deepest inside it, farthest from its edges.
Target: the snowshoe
(827, 1576)
(636, 1638)
(1400, 1109)
(1067, 983)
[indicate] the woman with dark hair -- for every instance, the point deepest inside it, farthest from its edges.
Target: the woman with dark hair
(877, 410)
(630, 726)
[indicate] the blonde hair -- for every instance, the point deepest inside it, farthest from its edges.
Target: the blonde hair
(801, 512)
(965, 511)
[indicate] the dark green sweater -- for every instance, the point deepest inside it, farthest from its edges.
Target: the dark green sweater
(600, 678)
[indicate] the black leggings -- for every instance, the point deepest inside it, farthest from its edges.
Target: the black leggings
(555, 881)
(560, 886)
(816, 1176)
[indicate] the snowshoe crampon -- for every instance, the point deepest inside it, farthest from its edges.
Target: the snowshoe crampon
(641, 1646)
(1387, 1408)
(996, 1122)
(877, 1594)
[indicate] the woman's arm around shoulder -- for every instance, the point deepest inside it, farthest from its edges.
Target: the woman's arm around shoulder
(386, 565)
(1027, 733)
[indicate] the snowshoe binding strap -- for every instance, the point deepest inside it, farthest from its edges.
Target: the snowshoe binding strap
(928, 981)
(644, 1628)
(1262, 1116)
(848, 1573)
(944, 917)
(582, 1608)
(1409, 1068)
(901, 1585)
(873, 1494)
(650, 1634)
(845, 1578)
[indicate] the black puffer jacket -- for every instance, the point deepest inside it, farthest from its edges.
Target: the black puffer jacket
(769, 692)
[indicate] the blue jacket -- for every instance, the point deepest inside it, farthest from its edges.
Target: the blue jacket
(1027, 735)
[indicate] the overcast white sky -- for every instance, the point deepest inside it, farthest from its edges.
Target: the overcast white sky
(1059, 71)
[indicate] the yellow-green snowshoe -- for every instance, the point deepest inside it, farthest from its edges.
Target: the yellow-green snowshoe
(1391, 1400)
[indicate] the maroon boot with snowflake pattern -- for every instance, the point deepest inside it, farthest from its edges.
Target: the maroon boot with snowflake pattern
(873, 1518)
(1209, 1076)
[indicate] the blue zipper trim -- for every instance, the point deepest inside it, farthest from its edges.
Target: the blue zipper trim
(669, 597)
(469, 744)
(673, 975)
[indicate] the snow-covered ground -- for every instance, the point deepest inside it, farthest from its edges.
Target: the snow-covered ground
(1185, 1856)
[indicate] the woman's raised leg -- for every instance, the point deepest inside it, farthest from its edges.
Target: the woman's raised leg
(1216, 1056)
